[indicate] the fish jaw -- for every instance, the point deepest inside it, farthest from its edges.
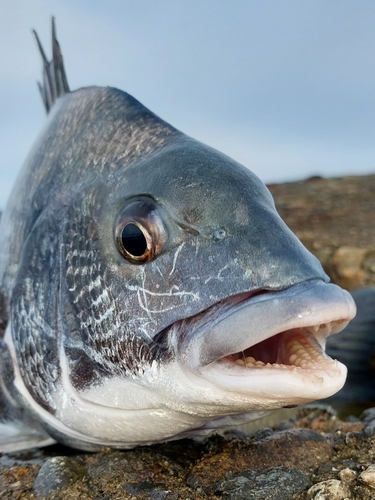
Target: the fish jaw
(275, 385)
(270, 347)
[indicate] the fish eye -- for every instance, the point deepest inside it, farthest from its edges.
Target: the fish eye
(140, 233)
(134, 240)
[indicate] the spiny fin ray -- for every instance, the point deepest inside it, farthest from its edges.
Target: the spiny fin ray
(55, 82)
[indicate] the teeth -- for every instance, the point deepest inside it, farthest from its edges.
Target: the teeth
(250, 360)
(326, 328)
(298, 349)
(259, 363)
(293, 358)
(240, 362)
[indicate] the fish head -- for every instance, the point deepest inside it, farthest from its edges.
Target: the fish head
(186, 294)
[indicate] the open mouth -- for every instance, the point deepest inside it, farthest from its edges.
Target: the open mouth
(279, 335)
(299, 348)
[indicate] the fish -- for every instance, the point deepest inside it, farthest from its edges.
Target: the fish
(149, 290)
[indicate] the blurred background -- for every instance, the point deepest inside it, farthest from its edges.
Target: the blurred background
(285, 88)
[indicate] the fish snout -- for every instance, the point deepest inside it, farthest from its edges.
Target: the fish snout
(273, 334)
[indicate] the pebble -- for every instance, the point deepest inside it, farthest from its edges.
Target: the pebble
(347, 261)
(275, 483)
(368, 415)
(57, 473)
(333, 489)
(348, 476)
(367, 477)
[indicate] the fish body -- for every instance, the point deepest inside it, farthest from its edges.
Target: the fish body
(148, 288)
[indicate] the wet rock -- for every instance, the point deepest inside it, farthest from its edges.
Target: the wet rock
(277, 483)
(332, 489)
(58, 473)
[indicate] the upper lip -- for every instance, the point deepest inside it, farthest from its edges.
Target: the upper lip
(315, 307)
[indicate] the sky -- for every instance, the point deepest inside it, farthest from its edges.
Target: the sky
(285, 88)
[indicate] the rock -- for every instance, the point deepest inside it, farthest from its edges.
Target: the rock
(58, 473)
(347, 262)
(348, 476)
(293, 448)
(277, 483)
(334, 219)
(333, 489)
(367, 477)
(268, 464)
(368, 415)
(319, 417)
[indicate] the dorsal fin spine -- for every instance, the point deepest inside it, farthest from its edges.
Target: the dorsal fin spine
(55, 82)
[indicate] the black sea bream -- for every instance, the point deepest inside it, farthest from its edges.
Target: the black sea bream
(148, 288)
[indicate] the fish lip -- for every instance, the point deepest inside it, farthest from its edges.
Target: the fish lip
(255, 317)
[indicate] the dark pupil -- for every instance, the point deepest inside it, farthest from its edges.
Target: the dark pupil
(133, 240)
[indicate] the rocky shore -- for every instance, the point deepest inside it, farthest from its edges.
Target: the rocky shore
(309, 453)
(313, 455)
(334, 219)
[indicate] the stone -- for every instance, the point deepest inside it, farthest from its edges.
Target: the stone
(367, 477)
(348, 265)
(331, 215)
(58, 473)
(368, 415)
(292, 448)
(276, 483)
(348, 476)
(332, 489)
